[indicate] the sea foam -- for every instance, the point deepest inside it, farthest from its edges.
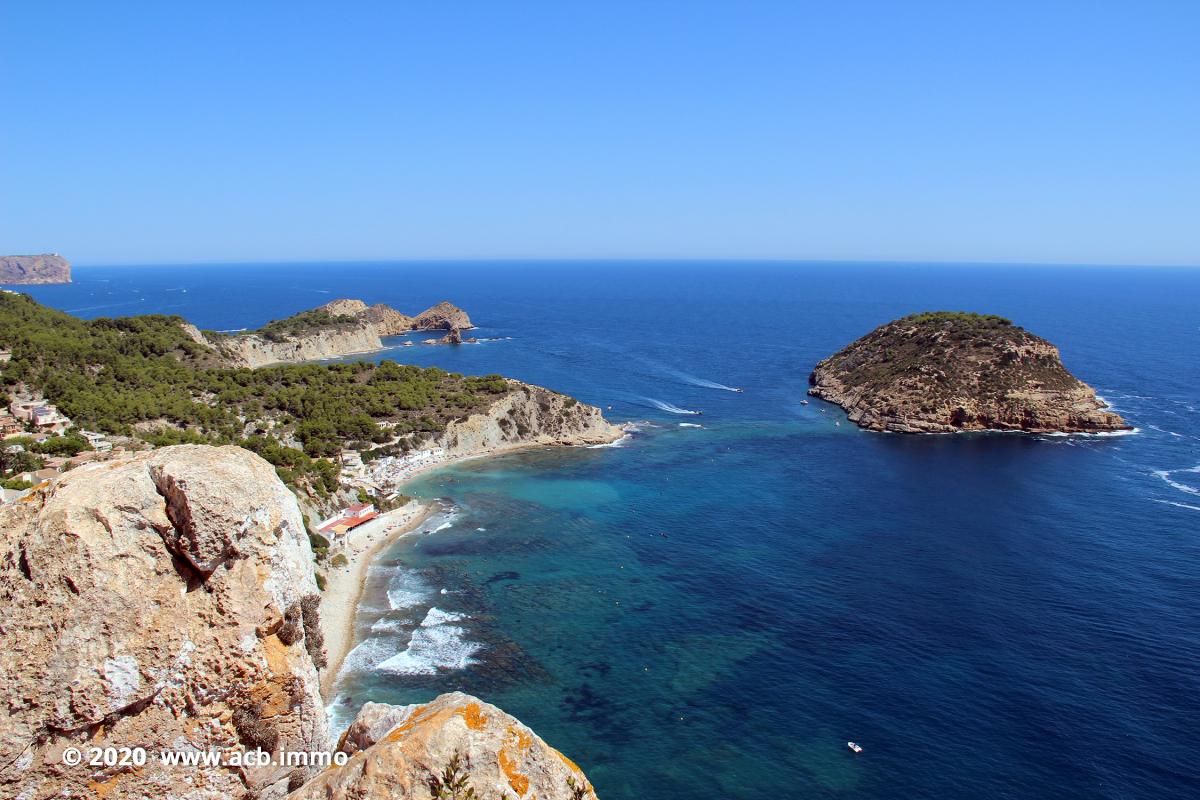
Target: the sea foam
(437, 644)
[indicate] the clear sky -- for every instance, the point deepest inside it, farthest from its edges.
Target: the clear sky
(182, 131)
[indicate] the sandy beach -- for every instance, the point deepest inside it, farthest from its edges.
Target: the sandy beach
(344, 585)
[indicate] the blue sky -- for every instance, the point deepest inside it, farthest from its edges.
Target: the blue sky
(180, 132)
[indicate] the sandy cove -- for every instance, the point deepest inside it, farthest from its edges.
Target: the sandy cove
(344, 585)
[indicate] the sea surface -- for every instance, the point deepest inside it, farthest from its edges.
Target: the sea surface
(714, 607)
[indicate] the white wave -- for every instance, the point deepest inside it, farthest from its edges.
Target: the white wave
(1166, 474)
(668, 407)
(367, 653)
(435, 645)
(690, 425)
(618, 443)
(407, 589)
(1111, 434)
(389, 625)
(1077, 434)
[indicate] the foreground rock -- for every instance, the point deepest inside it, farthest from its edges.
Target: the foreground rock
(338, 328)
(167, 601)
(144, 606)
(401, 752)
(943, 372)
(46, 268)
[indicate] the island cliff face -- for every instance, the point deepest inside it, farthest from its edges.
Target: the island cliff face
(46, 268)
(943, 372)
(167, 601)
(338, 328)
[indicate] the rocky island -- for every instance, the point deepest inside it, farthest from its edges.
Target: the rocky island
(338, 328)
(44, 268)
(167, 601)
(943, 372)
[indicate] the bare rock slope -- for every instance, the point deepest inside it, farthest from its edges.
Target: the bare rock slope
(941, 372)
(338, 328)
(402, 752)
(528, 416)
(167, 601)
(45, 268)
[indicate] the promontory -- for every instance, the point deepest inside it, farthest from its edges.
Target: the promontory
(943, 372)
(45, 268)
(338, 328)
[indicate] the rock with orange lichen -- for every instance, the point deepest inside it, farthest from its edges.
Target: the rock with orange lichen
(399, 750)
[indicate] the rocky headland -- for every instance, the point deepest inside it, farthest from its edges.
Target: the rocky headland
(167, 600)
(943, 372)
(44, 268)
(338, 328)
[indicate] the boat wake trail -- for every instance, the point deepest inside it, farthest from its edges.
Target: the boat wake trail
(1166, 474)
(664, 406)
(703, 383)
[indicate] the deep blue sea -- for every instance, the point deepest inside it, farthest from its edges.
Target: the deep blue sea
(715, 611)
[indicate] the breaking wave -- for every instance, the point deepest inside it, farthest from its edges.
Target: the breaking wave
(437, 644)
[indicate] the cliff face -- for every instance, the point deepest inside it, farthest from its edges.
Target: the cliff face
(443, 316)
(252, 350)
(944, 372)
(528, 416)
(399, 749)
(353, 327)
(46, 268)
(166, 601)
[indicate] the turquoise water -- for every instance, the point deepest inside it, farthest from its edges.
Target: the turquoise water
(714, 611)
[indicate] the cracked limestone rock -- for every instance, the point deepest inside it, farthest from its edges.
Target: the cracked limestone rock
(141, 600)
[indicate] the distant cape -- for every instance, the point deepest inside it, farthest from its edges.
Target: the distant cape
(46, 268)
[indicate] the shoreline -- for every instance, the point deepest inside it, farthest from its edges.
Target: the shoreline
(345, 585)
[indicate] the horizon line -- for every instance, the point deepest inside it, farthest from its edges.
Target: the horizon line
(644, 260)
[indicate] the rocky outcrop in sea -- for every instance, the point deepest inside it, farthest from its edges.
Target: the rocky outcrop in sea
(942, 372)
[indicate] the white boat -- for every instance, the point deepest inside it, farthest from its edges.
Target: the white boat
(855, 747)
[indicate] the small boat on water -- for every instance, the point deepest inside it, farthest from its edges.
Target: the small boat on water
(854, 746)
(739, 390)
(803, 402)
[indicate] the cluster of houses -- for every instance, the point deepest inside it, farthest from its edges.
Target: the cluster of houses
(385, 473)
(38, 420)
